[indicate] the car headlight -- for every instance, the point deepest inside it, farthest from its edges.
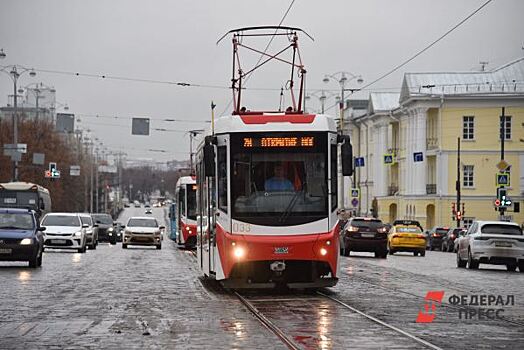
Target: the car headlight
(110, 229)
(26, 241)
(78, 234)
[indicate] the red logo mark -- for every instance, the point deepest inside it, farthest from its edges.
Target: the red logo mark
(427, 314)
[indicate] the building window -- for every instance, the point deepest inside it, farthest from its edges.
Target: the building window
(507, 128)
(467, 171)
(468, 128)
(466, 222)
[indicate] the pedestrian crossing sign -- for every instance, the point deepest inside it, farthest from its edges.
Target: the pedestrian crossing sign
(355, 193)
(388, 159)
(503, 180)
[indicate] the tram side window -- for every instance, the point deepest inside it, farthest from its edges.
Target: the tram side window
(334, 177)
(222, 178)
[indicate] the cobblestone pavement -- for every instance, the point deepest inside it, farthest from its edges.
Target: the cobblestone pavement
(147, 298)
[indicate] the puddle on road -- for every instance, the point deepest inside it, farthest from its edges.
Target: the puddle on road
(24, 276)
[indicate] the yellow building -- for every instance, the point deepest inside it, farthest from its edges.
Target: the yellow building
(419, 130)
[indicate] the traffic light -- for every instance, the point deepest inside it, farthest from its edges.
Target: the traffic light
(502, 197)
(496, 202)
(459, 215)
(453, 209)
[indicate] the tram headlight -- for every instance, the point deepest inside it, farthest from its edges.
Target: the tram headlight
(323, 251)
(238, 252)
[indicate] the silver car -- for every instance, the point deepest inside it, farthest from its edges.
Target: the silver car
(492, 242)
(91, 231)
(142, 231)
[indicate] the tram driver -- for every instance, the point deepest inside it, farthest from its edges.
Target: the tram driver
(279, 181)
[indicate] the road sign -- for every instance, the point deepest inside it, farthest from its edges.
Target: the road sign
(502, 165)
(359, 162)
(107, 169)
(355, 193)
(74, 170)
(388, 158)
(38, 158)
(52, 174)
(418, 157)
(140, 126)
(502, 180)
(354, 202)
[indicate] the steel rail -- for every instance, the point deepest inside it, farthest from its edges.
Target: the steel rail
(267, 323)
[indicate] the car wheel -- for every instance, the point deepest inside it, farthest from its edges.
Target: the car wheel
(39, 260)
(82, 250)
(415, 253)
(472, 264)
(391, 251)
(461, 263)
(113, 242)
(33, 262)
(511, 267)
(422, 253)
(124, 246)
(444, 248)
(521, 267)
(159, 246)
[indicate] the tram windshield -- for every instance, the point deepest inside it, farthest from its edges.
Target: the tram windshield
(281, 185)
(191, 202)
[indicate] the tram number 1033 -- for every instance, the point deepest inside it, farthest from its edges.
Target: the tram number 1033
(241, 227)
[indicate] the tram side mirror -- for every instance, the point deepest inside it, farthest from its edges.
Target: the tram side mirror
(209, 160)
(347, 158)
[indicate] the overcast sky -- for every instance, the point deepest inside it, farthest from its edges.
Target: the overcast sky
(175, 40)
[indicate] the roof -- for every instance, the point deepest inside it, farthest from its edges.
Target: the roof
(383, 101)
(21, 186)
(186, 180)
(16, 210)
(481, 223)
(505, 80)
(61, 214)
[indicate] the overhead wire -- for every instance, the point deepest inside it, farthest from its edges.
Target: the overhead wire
(428, 46)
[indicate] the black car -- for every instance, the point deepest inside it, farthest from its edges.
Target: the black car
(21, 237)
(448, 242)
(362, 234)
(436, 236)
(106, 229)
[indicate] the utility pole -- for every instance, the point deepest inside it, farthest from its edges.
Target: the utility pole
(502, 209)
(96, 181)
(457, 184)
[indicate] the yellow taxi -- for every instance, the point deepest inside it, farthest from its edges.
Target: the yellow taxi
(406, 237)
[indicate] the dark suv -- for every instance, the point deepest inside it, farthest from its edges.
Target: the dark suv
(364, 235)
(21, 237)
(106, 229)
(448, 242)
(436, 235)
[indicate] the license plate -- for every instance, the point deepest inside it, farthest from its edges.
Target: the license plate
(281, 250)
(367, 235)
(58, 241)
(6, 250)
(502, 244)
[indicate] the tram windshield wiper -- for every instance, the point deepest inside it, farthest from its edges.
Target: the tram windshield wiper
(290, 206)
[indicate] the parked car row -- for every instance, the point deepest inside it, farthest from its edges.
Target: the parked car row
(485, 242)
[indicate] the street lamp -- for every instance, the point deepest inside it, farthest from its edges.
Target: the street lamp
(321, 96)
(15, 72)
(37, 91)
(342, 78)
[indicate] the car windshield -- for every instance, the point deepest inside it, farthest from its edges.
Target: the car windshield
(103, 219)
(86, 220)
(413, 229)
(61, 220)
(279, 185)
(142, 223)
(501, 229)
(20, 221)
(367, 223)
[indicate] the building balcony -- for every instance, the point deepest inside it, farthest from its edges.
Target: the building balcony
(431, 188)
(431, 143)
(392, 190)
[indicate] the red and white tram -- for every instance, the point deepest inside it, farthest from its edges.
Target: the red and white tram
(185, 217)
(267, 185)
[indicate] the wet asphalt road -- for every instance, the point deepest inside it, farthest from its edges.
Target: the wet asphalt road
(147, 298)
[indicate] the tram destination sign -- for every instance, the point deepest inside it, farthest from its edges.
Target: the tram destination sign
(277, 142)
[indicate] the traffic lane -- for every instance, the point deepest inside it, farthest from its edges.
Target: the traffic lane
(441, 268)
(116, 298)
(416, 276)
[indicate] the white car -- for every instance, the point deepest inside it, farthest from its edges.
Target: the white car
(492, 242)
(91, 231)
(142, 231)
(64, 231)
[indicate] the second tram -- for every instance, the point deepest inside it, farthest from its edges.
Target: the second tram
(185, 212)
